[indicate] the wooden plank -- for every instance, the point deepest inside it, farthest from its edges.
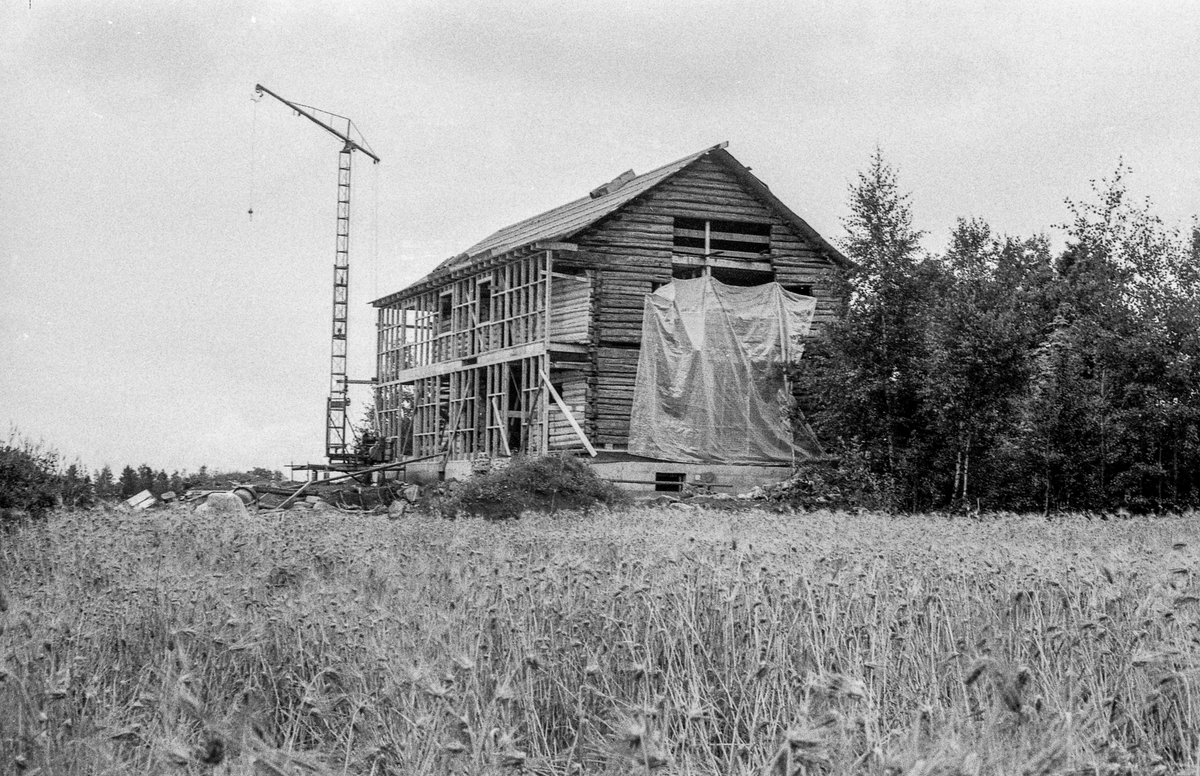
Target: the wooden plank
(547, 280)
(723, 263)
(713, 234)
(447, 444)
(491, 357)
(567, 413)
(502, 423)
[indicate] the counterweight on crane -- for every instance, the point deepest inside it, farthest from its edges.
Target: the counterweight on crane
(337, 447)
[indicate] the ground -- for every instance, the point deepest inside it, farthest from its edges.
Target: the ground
(666, 639)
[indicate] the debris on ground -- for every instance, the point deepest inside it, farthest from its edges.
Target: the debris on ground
(223, 505)
(247, 494)
(143, 500)
(312, 495)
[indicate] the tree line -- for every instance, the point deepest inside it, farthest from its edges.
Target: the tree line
(33, 479)
(1001, 374)
(134, 480)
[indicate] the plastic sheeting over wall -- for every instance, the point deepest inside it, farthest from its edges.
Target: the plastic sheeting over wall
(711, 382)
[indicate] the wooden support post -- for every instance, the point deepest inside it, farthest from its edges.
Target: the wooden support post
(545, 360)
(502, 420)
(567, 412)
(448, 439)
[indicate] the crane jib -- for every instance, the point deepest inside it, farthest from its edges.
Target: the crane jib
(303, 111)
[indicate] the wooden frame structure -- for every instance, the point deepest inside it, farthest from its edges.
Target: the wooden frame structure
(471, 360)
(528, 342)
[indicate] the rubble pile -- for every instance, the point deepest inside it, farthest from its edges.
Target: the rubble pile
(392, 499)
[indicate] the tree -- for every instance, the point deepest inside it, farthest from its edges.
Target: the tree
(980, 328)
(28, 479)
(862, 385)
(129, 483)
(76, 490)
(145, 478)
(105, 487)
(997, 373)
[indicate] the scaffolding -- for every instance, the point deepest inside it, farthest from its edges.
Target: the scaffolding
(489, 363)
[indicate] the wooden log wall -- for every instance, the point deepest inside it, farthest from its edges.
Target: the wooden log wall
(574, 394)
(630, 254)
(796, 263)
(570, 304)
(612, 392)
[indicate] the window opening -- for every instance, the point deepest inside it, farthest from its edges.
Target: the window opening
(669, 482)
(485, 301)
(740, 239)
(802, 289)
(515, 381)
(742, 277)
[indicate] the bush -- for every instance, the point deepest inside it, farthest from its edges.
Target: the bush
(541, 484)
(29, 480)
(847, 483)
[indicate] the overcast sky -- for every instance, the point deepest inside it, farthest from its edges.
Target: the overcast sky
(145, 317)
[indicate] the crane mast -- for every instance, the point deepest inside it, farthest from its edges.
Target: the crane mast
(337, 447)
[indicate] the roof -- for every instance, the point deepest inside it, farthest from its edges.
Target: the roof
(570, 219)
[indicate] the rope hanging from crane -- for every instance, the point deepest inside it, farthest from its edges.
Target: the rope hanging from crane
(253, 138)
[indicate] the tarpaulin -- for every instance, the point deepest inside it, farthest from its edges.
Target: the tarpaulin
(711, 381)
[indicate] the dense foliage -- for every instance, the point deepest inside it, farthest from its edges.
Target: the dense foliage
(548, 483)
(33, 481)
(29, 482)
(999, 375)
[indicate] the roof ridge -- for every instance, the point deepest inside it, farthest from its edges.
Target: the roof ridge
(587, 198)
(562, 222)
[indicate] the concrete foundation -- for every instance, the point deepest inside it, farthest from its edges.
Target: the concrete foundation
(646, 475)
(634, 474)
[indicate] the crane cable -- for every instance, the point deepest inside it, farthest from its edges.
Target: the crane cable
(375, 228)
(253, 137)
(375, 290)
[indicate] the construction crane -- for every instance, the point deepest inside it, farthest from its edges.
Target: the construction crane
(337, 447)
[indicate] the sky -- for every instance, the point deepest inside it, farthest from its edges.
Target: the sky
(146, 317)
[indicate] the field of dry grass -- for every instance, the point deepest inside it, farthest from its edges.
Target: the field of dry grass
(667, 640)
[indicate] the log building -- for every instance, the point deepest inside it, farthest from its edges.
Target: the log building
(528, 342)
